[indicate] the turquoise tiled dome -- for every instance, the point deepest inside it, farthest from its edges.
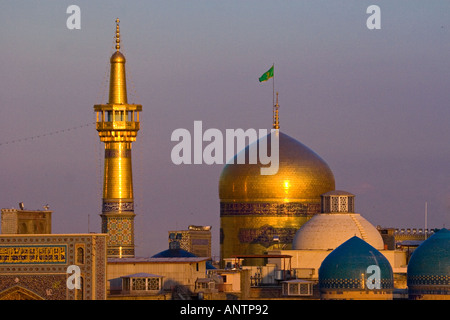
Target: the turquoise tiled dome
(346, 267)
(430, 262)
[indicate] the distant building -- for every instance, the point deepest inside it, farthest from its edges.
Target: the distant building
(197, 240)
(404, 237)
(21, 221)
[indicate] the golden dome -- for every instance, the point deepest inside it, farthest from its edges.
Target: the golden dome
(302, 177)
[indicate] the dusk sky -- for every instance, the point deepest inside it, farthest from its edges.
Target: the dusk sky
(374, 104)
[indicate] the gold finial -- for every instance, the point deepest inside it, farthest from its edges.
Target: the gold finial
(117, 34)
(276, 120)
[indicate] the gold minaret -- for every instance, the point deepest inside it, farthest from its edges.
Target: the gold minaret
(117, 126)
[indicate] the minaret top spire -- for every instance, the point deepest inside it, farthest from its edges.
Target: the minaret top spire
(117, 86)
(276, 120)
(117, 34)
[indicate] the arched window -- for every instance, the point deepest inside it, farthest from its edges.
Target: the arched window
(80, 255)
(79, 293)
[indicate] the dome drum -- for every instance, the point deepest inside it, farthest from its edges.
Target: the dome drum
(338, 201)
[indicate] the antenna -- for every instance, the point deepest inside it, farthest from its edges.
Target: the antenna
(426, 218)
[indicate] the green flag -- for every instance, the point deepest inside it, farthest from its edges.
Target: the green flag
(267, 75)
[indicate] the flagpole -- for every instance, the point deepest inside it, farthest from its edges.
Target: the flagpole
(266, 76)
(273, 85)
(273, 95)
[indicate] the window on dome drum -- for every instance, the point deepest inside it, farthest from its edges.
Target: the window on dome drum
(339, 204)
(326, 204)
(334, 204)
(351, 205)
(343, 204)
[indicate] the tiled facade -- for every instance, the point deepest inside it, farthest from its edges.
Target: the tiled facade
(35, 266)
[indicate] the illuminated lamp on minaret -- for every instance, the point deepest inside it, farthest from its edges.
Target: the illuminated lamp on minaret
(117, 126)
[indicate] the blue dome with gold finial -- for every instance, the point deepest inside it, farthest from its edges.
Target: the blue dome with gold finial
(430, 262)
(351, 264)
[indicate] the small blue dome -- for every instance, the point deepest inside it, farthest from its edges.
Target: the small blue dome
(351, 264)
(430, 262)
(174, 253)
(179, 253)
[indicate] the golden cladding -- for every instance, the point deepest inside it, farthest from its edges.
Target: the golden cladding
(302, 177)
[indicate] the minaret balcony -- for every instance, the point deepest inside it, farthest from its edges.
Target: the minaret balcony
(118, 125)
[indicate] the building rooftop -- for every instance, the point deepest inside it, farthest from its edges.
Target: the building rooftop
(142, 275)
(158, 260)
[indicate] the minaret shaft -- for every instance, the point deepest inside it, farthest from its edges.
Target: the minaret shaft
(118, 178)
(117, 126)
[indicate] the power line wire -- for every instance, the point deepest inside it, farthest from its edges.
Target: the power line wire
(45, 134)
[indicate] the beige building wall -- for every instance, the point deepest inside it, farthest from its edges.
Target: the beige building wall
(175, 271)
